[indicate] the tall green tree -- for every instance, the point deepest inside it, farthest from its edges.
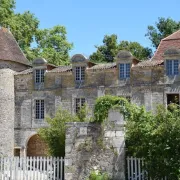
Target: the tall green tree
(107, 51)
(162, 29)
(110, 48)
(6, 11)
(53, 45)
(140, 52)
(50, 44)
(24, 28)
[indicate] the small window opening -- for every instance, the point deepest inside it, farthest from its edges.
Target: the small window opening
(172, 98)
(39, 109)
(80, 102)
(17, 152)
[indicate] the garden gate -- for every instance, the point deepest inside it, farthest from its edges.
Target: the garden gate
(135, 170)
(31, 168)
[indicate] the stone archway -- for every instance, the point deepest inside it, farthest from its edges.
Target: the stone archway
(36, 146)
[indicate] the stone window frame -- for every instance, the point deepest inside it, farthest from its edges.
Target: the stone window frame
(172, 69)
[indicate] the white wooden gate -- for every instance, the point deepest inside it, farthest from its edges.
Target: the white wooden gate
(135, 169)
(31, 168)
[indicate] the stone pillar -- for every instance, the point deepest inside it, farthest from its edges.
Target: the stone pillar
(90, 147)
(115, 132)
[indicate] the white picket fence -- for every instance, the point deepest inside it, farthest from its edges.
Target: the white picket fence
(135, 170)
(31, 168)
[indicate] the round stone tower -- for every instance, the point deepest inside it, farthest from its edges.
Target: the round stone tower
(6, 112)
(11, 60)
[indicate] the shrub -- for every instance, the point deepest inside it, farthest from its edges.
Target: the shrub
(96, 175)
(156, 138)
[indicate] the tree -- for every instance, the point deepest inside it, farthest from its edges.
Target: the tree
(110, 48)
(136, 49)
(50, 44)
(24, 27)
(163, 28)
(107, 51)
(53, 45)
(54, 135)
(6, 11)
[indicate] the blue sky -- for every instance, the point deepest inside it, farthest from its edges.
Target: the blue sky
(87, 21)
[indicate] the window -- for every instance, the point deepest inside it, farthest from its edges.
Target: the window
(40, 109)
(39, 75)
(172, 98)
(172, 67)
(80, 73)
(80, 102)
(124, 70)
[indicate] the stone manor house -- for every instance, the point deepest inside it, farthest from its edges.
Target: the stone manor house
(29, 92)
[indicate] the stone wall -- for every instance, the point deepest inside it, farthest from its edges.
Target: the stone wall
(92, 147)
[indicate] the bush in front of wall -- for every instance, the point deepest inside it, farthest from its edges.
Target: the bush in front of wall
(97, 175)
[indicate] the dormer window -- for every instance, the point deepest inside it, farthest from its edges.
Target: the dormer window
(172, 67)
(39, 76)
(80, 73)
(124, 70)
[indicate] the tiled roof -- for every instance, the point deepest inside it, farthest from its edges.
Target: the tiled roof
(175, 35)
(62, 69)
(9, 49)
(148, 63)
(172, 41)
(103, 66)
(95, 67)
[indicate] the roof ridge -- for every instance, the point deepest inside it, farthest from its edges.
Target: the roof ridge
(171, 35)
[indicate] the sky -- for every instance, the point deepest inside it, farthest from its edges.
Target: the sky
(87, 21)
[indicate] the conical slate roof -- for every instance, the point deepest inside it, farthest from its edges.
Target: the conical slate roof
(9, 49)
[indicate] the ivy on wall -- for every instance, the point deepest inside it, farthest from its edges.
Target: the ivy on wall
(105, 103)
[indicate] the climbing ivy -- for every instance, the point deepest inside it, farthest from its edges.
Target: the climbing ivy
(105, 103)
